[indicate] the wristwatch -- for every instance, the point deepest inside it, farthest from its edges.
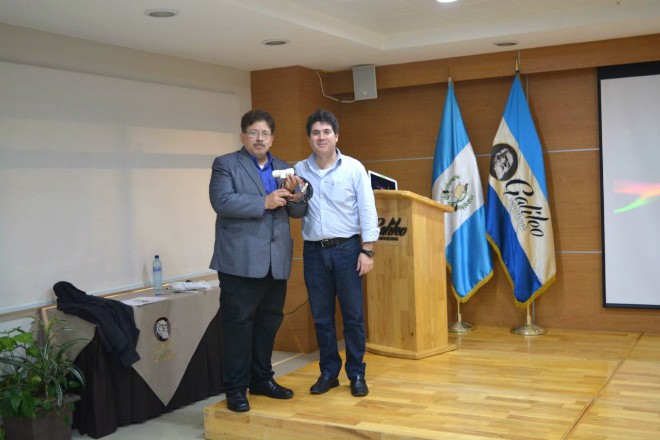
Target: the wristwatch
(368, 253)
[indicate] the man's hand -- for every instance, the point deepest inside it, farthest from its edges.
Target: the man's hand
(291, 182)
(277, 198)
(364, 264)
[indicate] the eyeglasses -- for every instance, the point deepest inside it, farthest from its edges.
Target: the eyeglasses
(255, 134)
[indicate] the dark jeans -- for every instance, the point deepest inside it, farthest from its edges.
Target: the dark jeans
(250, 313)
(329, 273)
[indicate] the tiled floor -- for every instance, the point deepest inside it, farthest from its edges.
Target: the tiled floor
(187, 423)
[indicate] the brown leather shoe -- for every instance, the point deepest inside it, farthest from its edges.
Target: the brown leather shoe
(238, 402)
(323, 384)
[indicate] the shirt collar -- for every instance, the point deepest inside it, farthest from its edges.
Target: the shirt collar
(269, 163)
(311, 161)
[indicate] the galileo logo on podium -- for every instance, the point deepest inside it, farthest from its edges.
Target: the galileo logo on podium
(392, 231)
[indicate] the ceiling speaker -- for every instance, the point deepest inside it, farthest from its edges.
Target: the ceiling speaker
(364, 82)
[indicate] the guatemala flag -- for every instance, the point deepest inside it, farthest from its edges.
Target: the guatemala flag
(456, 183)
(518, 221)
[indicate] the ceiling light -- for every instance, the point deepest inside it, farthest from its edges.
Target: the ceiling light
(274, 42)
(505, 43)
(445, 1)
(161, 13)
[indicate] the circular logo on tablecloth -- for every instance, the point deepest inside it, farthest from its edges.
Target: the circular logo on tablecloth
(162, 329)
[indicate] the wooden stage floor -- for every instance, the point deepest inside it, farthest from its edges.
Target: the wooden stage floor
(562, 385)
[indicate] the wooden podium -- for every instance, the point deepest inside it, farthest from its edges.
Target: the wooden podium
(406, 290)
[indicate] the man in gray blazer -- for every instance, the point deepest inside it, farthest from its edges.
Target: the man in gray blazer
(252, 254)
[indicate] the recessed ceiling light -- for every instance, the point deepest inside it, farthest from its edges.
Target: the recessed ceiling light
(445, 1)
(505, 43)
(161, 13)
(274, 42)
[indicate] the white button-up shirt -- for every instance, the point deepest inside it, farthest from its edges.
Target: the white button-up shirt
(343, 202)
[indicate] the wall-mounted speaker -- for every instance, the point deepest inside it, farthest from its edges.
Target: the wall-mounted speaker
(364, 82)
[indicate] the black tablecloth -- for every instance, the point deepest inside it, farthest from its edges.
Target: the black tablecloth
(117, 396)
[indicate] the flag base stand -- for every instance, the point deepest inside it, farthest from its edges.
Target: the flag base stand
(460, 326)
(529, 328)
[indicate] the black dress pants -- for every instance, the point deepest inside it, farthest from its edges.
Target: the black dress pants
(250, 313)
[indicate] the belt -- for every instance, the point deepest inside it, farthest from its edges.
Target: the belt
(330, 242)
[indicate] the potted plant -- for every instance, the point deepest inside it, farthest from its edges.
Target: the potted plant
(36, 377)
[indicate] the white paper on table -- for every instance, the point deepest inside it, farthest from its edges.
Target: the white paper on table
(142, 300)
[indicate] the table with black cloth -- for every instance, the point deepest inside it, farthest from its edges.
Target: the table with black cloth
(115, 395)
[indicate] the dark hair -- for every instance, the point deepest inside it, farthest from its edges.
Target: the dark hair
(257, 115)
(322, 115)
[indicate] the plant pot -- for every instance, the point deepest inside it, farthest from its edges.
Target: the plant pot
(51, 425)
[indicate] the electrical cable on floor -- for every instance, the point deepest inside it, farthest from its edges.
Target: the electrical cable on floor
(296, 309)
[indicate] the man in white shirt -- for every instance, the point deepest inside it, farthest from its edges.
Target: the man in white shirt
(339, 229)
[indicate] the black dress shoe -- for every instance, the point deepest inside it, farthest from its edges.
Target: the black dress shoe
(324, 384)
(238, 402)
(272, 389)
(359, 386)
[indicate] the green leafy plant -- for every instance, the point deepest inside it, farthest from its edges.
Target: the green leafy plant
(36, 373)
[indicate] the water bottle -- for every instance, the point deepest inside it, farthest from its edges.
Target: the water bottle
(158, 274)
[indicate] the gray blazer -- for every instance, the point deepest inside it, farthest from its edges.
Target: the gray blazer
(249, 240)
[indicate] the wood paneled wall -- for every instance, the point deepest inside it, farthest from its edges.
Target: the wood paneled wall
(395, 134)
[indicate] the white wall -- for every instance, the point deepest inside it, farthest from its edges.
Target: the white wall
(27, 46)
(105, 157)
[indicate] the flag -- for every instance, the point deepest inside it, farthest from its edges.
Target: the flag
(456, 182)
(518, 219)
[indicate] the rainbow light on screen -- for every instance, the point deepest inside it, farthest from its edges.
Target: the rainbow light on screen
(646, 193)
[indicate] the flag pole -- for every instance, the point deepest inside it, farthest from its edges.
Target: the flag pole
(460, 326)
(529, 328)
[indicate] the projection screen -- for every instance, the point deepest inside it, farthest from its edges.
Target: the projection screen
(630, 179)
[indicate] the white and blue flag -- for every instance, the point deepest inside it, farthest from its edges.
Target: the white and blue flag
(518, 219)
(456, 183)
